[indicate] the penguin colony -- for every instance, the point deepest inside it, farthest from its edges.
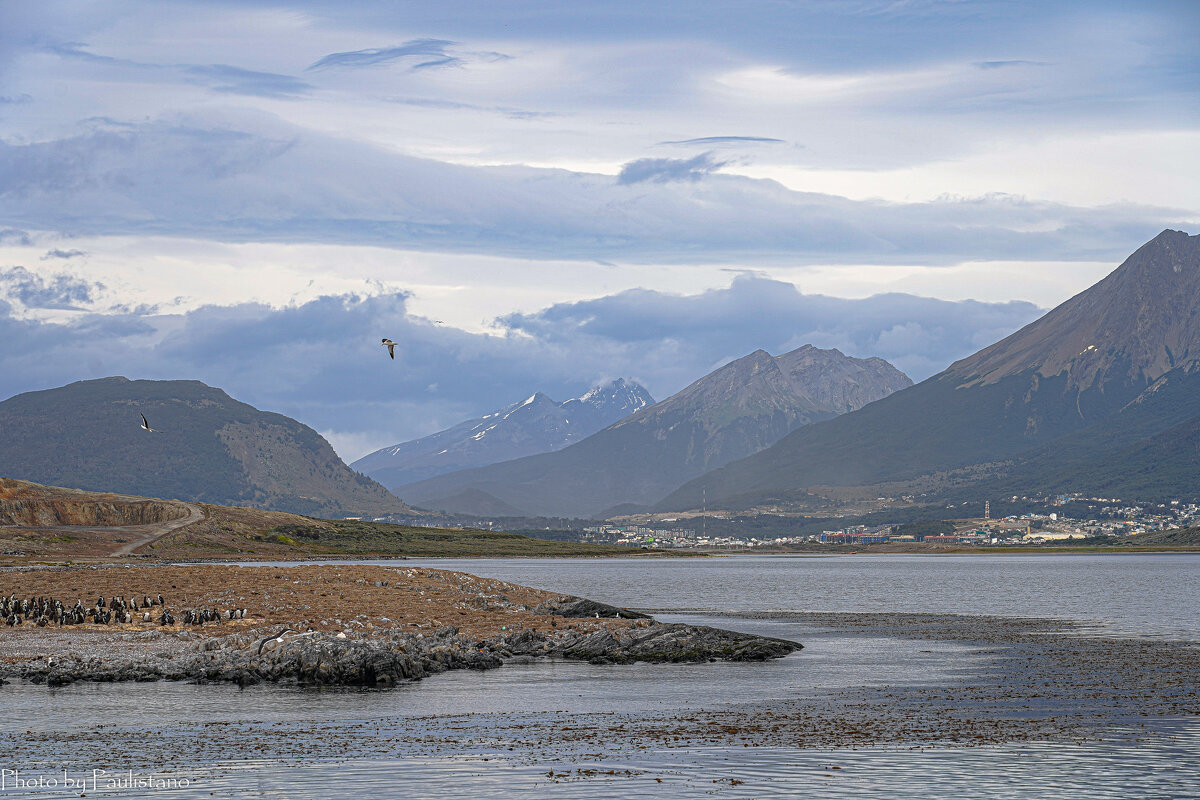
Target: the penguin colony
(43, 611)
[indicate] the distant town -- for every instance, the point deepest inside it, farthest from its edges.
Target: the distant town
(1079, 517)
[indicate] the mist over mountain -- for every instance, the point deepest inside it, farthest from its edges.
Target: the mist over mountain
(1104, 376)
(736, 410)
(206, 447)
(534, 425)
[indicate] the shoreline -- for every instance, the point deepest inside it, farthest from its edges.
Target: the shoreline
(150, 560)
(346, 625)
(1027, 680)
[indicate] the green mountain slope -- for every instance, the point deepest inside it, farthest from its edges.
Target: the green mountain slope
(208, 447)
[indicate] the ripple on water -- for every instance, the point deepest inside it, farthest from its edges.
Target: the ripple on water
(1109, 770)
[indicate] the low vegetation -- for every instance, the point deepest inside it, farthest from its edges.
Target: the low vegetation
(352, 537)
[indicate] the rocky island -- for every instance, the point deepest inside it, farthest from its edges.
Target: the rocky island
(332, 625)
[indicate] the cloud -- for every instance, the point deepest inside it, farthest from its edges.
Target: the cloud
(56, 292)
(1012, 63)
(56, 253)
(321, 363)
(16, 99)
(665, 170)
(14, 236)
(682, 335)
(452, 105)
(720, 140)
(218, 77)
(235, 80)
(417, 53)
(251, 177)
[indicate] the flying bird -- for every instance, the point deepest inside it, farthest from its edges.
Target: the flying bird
(391, 346)
(278, 637)
(146, 425)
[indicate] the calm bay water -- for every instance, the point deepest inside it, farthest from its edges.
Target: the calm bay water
(270, 741)
(1135, 594)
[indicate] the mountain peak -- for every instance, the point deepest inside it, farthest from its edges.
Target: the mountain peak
(1134, 325)
(738, 409)
(1047, 406)
(534, 425)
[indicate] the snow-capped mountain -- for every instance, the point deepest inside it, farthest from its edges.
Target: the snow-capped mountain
(536, 424)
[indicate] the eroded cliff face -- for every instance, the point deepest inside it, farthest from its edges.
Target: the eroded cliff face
(28, 504)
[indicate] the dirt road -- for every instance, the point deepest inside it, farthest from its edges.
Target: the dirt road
(147, 534)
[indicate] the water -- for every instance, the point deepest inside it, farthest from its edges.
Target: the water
(450, 735)
(1148, 594)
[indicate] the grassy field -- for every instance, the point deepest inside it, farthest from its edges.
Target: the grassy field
(239, 532)
(356, 537)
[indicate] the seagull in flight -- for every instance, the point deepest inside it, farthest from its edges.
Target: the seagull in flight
(278, 637)
(146, 425)
(391, 346)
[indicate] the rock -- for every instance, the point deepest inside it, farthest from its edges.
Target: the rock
(582, 607)
(394, 655)
(676, 643)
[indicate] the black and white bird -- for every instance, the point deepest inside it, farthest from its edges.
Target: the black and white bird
(391, 346)
(146, 425)
(278, 637)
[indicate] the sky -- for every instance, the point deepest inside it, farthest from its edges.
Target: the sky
(538, 196)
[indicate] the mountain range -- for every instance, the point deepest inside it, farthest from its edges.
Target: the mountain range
(1101, 394)
(534, 425)
(736, 410)
(206, 447)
